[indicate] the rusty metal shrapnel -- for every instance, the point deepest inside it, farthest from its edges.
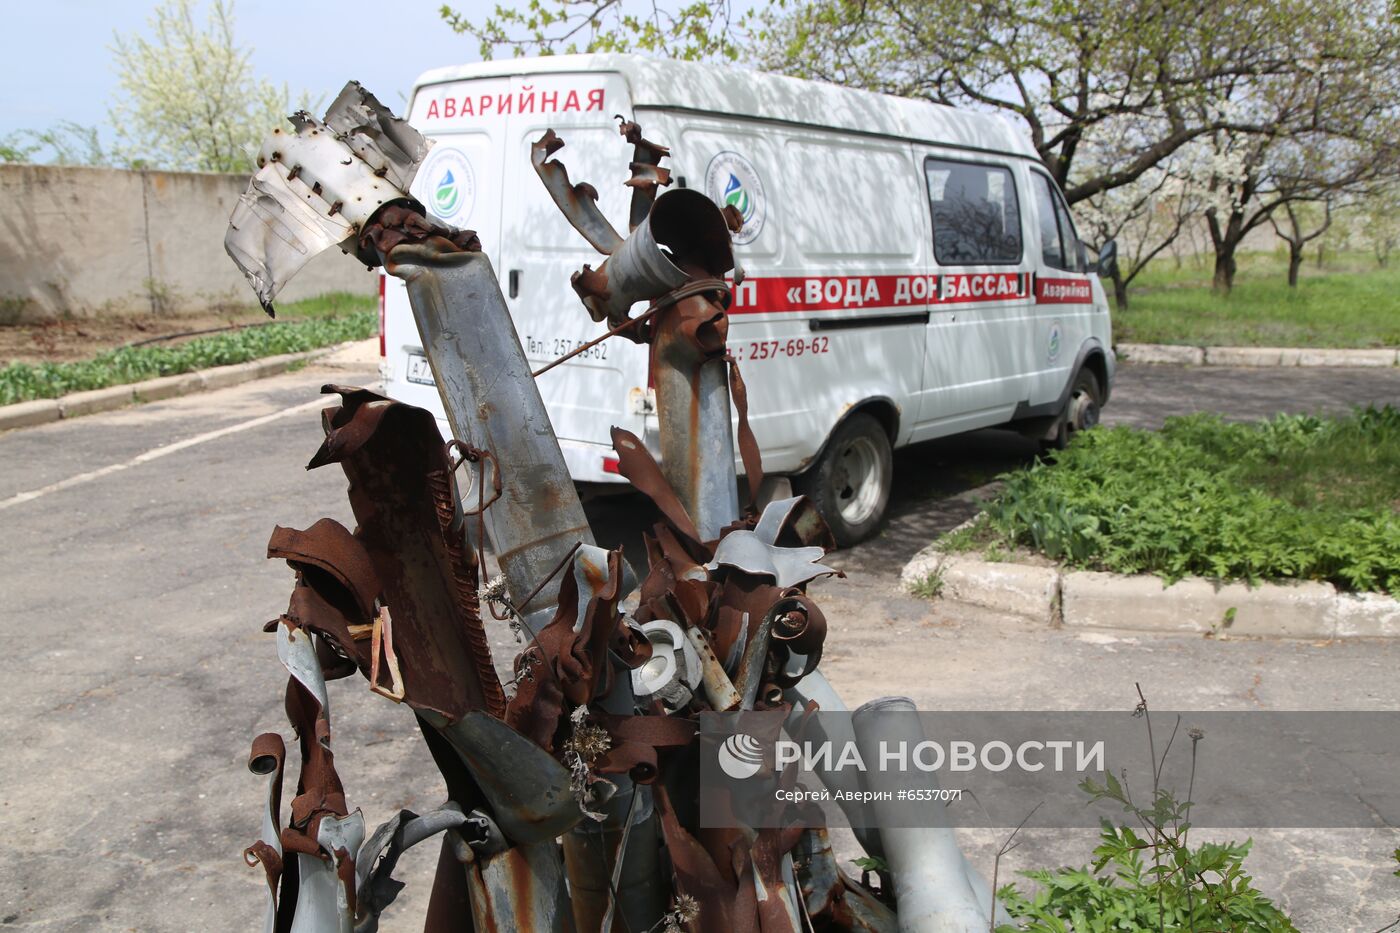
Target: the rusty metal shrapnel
(568, 789)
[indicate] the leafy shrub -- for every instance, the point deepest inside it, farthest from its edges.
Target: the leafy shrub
(23, 381)
(1157, 880)
(1295, 497)
(1201, 888)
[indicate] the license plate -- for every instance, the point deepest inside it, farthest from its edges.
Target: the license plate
(419, 371)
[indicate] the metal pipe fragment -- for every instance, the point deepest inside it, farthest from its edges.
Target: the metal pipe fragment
(693, 419)
(719, 690)
(521, 888)
(492, 402)
(932, 888)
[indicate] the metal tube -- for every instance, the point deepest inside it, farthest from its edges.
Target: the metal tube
(696, 433)
(492, 402)
(591, 858)
(620, 852)
(932, 889)
(844, 784)
(521, 888)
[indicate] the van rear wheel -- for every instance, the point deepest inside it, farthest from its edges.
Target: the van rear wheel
(850, 483)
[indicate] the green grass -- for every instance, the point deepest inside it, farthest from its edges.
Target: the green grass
(305, 325)
(1350, 302)
(1296, 497)
(331, 304)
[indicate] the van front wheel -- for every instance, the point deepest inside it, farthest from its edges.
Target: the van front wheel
(1081, 411)
(850, 484)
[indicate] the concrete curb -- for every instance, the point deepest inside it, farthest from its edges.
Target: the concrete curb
(1141, 602)
(75, 404)
(1255, 356)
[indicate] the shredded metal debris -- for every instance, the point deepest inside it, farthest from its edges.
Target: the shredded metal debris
(571, 788)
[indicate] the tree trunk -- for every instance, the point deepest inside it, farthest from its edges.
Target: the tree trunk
(1224, 278)
(1120, 291)
(1295, 262)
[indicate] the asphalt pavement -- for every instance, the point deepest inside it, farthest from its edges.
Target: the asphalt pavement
(136, 671)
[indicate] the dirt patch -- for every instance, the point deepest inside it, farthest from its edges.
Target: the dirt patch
(83, 338)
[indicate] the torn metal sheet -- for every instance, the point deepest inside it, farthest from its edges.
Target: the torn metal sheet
(787, 566)
(578, 203)
(388, 145)
(375, 886)
(318, 185)
(493, 404)
(527, 788)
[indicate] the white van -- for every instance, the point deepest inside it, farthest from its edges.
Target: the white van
(912, 270)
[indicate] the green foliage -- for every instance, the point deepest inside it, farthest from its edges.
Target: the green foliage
(965, 539)
(1175, 305)
(65, 143)
(870, 863)
(22, 381)
(931, 586)
(1295, 497)
(1152, 879)
(1181, 888)
(189, 99)
(694, 30)
(18, 147)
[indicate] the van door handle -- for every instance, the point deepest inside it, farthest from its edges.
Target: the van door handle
(514, 286)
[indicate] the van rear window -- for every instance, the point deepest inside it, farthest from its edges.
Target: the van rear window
(976, 217)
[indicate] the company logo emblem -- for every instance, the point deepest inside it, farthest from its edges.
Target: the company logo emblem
(446, 195)
(1053, 350)
(735, 195)
(732, 181)
(446, 184)
(740, 756)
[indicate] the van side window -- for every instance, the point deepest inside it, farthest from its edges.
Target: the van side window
(976, 217)
(1059, 244)
(1052, 251)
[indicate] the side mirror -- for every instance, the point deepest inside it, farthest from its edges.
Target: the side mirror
(1108, 259)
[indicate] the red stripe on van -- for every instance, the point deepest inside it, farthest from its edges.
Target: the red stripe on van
(778, 294)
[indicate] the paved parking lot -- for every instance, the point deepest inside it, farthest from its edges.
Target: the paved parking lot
(136, 671)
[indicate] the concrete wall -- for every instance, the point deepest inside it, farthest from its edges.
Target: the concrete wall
(87, 241)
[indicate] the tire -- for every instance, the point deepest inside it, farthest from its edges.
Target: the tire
(1085, 400)
(1081, 411)
(850, 482)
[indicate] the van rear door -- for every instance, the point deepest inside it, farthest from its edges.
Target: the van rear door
(607, 384)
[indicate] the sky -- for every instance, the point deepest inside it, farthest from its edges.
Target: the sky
(56, 62)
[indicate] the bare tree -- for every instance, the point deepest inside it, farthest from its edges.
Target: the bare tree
(1065, 70)
(1144, 218)
(1296, 236)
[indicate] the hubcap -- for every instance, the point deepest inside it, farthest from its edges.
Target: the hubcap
(857, 481)
(1083, 411)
